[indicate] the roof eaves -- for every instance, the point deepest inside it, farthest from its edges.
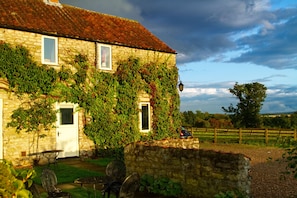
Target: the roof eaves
(85, 39)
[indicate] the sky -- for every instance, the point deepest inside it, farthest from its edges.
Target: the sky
(219, 43)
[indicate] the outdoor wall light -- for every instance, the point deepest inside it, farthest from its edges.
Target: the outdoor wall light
(180, 86)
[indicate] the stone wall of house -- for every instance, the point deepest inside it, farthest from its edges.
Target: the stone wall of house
(17, 146)
(68, 48)
(202, 173)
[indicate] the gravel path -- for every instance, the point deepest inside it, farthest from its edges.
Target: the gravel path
(266, 168)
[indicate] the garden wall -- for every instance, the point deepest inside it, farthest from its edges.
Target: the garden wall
(202, 173)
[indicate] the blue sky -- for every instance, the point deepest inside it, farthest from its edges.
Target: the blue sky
(220, 42)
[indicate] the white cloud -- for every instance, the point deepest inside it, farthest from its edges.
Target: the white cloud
(267, 26)
(192, 92)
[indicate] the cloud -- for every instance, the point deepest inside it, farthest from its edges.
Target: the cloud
(275, 46)
(209, 98)
(280, 98)
(122, 8)
(206, 97)
(199, 30)
(269, 78)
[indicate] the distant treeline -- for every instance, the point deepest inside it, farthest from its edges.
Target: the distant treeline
(201, 120)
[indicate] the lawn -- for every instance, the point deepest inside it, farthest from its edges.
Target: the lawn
(66, 174)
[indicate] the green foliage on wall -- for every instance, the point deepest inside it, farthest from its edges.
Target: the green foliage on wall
(109, 100)
(23, 74)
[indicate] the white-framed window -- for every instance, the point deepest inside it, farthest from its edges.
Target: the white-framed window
(104, 60)
(49, 50)
(144, 117)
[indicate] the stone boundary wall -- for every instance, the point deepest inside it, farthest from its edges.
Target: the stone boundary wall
(202, 173)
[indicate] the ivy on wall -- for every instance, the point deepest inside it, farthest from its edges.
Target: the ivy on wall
(109, 100)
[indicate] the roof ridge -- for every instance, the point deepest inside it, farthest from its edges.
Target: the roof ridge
(101, 13)
(78, 23)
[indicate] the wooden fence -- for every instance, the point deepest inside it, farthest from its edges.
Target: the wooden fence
(267, 136)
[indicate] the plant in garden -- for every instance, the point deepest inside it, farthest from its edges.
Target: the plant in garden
(15, 183)
(161, 186)
(34, 116)
(290, 157)
(230, 194)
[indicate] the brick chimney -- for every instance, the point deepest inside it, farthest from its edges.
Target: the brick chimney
(53, 2)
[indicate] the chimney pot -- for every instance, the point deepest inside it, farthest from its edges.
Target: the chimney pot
(53, 2)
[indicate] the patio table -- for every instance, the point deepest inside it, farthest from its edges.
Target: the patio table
(51, 155)
(37, 157)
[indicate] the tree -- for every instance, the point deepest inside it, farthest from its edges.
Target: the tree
(247, 111)
(294, 120)
(188, 118)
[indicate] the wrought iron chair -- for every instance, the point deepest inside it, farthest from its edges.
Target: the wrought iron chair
(127, 189)
(49, 182)
(130, 186)
(115, 175)
(116, 170)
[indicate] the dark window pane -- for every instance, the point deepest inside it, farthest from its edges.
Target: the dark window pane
(145, 117)
(66, 115)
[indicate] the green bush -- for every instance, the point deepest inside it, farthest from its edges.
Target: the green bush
(290, 157)
(229, 194)
(161, 186)
(15, 183)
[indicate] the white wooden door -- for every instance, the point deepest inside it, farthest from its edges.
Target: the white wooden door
(67, 130)
(1, 129)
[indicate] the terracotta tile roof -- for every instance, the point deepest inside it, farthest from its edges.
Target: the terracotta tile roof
(68, 21)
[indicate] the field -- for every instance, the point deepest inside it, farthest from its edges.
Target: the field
(245, 136)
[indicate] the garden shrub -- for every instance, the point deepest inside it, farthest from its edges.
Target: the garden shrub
(290, 157)
(230, 194)
(161, 186)
(15, 183)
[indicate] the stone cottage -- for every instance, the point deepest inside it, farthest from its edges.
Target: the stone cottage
(52, 32)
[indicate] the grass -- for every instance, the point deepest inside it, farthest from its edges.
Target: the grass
(66, 173)
(100, 162)
(80, 193)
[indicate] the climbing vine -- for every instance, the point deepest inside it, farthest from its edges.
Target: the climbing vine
(109, 100)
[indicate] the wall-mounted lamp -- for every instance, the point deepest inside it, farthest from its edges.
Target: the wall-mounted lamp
(180, 86)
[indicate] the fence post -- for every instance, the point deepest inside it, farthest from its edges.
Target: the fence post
(295, 134)
(266, 136)
(240, 136)
(215, 135)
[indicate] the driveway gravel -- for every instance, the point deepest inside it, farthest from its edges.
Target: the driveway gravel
(266, 168)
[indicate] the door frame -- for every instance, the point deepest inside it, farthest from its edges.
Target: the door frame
(1, 129)
(75, 127)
